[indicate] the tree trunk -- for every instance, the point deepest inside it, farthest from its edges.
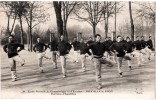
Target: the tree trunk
(115, 21)
(57, 7)
(8, 30)
(131, 21)
(106, 25)
(65, 30)
(31, 38)
(94, 31)
(13, 24)
(22, 37)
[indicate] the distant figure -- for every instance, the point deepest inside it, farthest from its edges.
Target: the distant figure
(149, 43)
(83, 51)
(12, 51)
(90, 41)
(40, 49)
(63, 48)
(129, 50)
(75, 45)
(108, 42)
(53, 45)
(137, 51)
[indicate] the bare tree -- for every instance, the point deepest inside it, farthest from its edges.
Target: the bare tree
(34, 17)
(109, 9)
(10, 13)
(90, 12)
(146, 10)
(67, 8)
(21, 9)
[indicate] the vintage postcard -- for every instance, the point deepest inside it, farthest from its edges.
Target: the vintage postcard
(77, 49)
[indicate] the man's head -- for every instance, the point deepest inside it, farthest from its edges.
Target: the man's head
(11, 38)
(62, 37)
(127, 39)
(81, 40)
(90, 38)
(107, 38)
(74, 39)
(98, 37)
(137, 37)
(150, 37)
(38, 40)
(118, 38)
(142, 37)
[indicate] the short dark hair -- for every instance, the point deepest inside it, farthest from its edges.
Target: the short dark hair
(127, 37)
(11, 36)
(137, 36)
(97, 35)
(118, 36)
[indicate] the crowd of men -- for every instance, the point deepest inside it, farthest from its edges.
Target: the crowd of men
(109, 52)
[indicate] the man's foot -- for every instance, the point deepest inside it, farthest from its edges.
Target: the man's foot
(149, 59)
(64, 76)
(23, 63)
(120, 74)
(14, 79)
(83, 69)
(139, 65)
(99, 87)
(55, 67)
(130, 68)
(42, 71)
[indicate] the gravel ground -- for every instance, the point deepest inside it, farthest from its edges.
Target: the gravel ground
(138, 83)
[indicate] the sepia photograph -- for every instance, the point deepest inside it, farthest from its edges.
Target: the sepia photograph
(77, 49)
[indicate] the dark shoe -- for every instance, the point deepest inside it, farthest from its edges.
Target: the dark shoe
(14, 79)
(64, 76)
(130, 68)
(99, 87)
(42, 71)
(121, 74)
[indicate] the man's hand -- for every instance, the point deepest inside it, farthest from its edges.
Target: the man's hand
(91, 57)
(116, 52)
(58, 54)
